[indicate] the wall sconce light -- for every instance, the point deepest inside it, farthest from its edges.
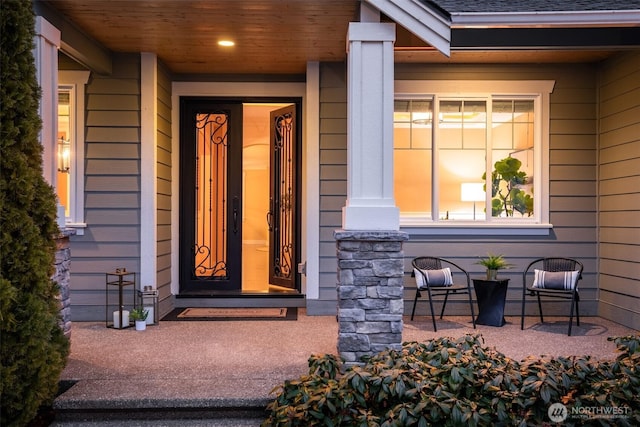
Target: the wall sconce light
(64, 155)
(472, 192)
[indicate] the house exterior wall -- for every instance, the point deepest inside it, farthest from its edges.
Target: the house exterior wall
(582, 98)
(572, 172)
(619, 189)
(112, 187)
(163, 190)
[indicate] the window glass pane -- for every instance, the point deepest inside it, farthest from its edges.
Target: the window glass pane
(421, 124)
(512, 158)
(462, 162)
(450, 124)
(474, 124)
(401, 112)
(458, 167)
(63, 151)
(412, 182)
(412, 124)
(523, 111)
(401, 137)
(412, 156)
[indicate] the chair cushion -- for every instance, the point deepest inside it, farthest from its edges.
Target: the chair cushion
(433, 277)
(565, 280)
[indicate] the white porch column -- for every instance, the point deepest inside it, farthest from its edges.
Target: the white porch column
(47, 42)
(148, 169)
(370, 203)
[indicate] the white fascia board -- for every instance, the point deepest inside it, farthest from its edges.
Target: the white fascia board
(620, 18)
(423, 22)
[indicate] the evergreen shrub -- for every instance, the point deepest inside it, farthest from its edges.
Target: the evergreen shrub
(33, 348)
(447, 382)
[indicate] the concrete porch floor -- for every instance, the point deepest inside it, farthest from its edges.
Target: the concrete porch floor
(225, 370)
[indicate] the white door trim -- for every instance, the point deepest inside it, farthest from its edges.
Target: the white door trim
(309, 92)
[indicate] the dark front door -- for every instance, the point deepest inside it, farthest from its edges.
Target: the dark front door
(210, 196)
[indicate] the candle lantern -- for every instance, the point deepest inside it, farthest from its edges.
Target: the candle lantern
(148, 300)
(117, 313)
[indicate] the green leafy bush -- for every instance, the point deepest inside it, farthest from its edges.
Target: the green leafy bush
(33, 348)
(447, 382)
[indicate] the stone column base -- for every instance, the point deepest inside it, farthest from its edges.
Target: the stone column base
(370, 292)
(62, 276)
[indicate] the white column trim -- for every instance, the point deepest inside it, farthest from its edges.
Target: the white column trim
(148, 168)
(370, 203)
(47, 43)
(310, 238)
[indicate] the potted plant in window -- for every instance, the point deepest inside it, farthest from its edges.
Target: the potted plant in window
(507, 181)
(493, 263)
(139, 315)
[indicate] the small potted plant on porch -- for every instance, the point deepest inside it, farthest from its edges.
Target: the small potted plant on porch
(493, 263)
(139, 315)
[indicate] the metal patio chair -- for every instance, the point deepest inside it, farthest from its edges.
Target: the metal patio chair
(553, 278)
(435, 277)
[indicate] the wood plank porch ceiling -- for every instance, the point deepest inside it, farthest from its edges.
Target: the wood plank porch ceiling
(272, 37)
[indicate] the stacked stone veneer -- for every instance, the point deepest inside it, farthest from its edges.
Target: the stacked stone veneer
(62, 276)
(370, 292)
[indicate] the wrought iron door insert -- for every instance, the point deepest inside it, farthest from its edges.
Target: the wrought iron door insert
(211, 157)
(283, 199)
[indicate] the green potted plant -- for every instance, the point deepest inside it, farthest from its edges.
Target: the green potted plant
(508, 195)
(493, 263)
(139, 316)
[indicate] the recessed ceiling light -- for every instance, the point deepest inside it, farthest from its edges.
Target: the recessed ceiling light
(226, 43)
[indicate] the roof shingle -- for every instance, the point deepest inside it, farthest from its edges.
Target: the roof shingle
(523, 6)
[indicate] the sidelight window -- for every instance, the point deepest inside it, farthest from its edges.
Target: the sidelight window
(70, 147)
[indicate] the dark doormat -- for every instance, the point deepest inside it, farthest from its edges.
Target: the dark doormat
(222, 314)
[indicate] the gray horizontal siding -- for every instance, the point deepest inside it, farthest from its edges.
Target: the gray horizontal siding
(113, 150)
(113, 102)
(112, 196)
(112, 187)
(112, 183)
(619, 187)
(102, 134)
(111, 200)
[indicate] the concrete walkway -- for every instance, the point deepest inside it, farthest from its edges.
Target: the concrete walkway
(203, 373)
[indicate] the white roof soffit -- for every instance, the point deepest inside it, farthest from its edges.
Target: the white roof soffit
(425, 23)
(596, 18)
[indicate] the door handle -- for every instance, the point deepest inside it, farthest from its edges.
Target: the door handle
(236, 207)
(270, 214)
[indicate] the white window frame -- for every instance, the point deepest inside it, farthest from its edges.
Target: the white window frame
(540, 91)
(74, 81)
